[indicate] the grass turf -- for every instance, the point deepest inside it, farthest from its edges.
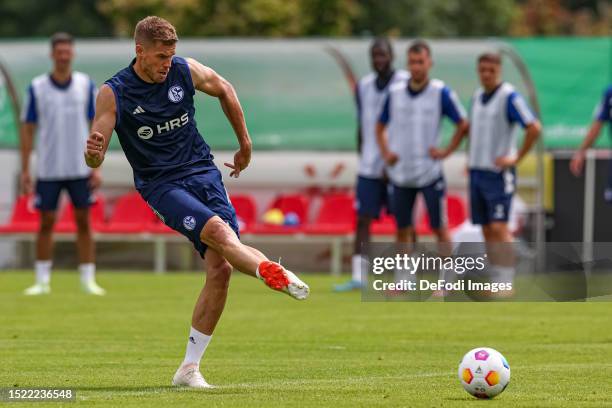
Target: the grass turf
(269, 350)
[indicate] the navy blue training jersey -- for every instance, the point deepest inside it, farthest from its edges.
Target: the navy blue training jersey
(156, 126)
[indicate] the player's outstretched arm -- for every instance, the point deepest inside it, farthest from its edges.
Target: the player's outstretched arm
(345, 66)
(101, 127)
(208, 81)
(461, 129)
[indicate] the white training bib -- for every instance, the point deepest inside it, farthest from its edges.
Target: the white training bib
(371, 100)
(492, 135)
(62, 125)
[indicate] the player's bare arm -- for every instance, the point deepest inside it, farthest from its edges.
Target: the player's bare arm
(382, 138)
(532, 132)
(208, 81)
(95, 178)
(577, 162)
(345, 66)
(26, 138)
(461, 130)
(101, 127)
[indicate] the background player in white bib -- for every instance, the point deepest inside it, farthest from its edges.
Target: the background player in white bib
(59, 108)
(496, 110)
(371, 191)
(408, 132)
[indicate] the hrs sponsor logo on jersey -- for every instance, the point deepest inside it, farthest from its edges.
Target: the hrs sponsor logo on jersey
(147, 132)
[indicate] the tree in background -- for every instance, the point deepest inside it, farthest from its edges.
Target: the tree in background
(35, 18)
(562, 17)
(297, 18)
(435, 18)
(236, 18)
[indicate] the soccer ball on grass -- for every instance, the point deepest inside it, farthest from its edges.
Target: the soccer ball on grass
(484, 372)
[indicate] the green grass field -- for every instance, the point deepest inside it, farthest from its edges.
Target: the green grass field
(269, 350)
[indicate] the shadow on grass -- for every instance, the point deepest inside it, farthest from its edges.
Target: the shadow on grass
(470, 399)
(219, 390)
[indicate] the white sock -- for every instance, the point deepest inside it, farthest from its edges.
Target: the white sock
(196, 346)
(359, 264)
(447, 274)
(502, 274)
(43, 271)
(88, 272)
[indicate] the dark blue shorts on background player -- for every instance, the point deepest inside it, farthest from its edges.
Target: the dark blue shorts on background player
(48, 192)
(491, 195)
(372, 195)
(186, 205)
(403, 198)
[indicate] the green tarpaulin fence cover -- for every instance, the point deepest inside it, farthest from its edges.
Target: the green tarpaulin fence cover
(295, 97)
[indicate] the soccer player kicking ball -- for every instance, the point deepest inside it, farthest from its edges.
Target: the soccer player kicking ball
(150, 106)
(408, 133)
(496, 110)
(370, 94)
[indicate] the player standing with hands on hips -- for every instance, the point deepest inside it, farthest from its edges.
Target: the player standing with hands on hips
(150, 106)
(408, 133)
(58, 109)
(497, 108)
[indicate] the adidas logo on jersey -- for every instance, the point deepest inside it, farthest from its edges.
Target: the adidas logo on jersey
(138, 110)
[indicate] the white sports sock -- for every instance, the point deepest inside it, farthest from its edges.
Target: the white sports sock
(196, 346)
(502, 274)
(43, 271)
(447, 274)
(358, 264)
(88, 272)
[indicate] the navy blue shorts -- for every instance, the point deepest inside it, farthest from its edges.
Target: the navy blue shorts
(491, 195)
(372, 195)
(403, 199)
(48, 192)
(186, 205)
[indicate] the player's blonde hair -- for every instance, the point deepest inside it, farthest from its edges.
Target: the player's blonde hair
(152, 28)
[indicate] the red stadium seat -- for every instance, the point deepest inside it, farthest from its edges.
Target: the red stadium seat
(246, 211)
(385, 225)
(455, 211)
(131, 214)
(66, 221)
(296, 203)
(25, 217)
(336, 216)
